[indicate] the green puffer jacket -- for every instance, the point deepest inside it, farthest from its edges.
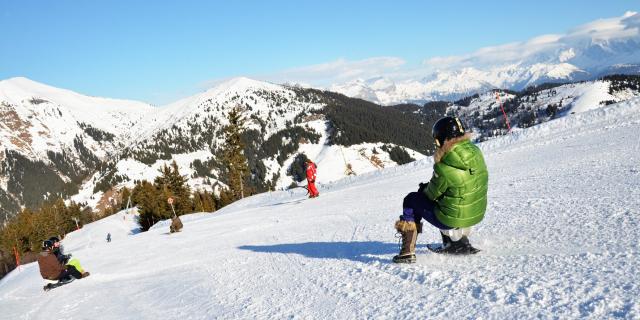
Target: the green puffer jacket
(459, 184)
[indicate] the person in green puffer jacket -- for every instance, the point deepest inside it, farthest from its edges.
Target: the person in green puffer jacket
(454, 200)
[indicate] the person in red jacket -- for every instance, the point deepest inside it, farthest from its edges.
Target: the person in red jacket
(311, 179)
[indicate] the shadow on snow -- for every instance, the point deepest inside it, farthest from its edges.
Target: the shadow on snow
(367, 251)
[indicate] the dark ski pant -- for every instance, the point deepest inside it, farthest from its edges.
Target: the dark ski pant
(69, 271)
(416, 206)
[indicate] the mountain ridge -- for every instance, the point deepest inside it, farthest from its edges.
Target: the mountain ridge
(282, 121)
(588, 52)
(89, 160)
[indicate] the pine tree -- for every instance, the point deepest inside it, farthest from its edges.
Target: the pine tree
(124, 198)
(198, 205)
(150, 207)
(234, 159)
(172, 184)
(225, 198)
(203, 202)
(208, 202)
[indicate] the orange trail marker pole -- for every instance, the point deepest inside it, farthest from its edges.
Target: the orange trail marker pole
(506, 120)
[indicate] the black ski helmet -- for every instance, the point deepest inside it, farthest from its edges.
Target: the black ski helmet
(47, 245)
(54, 239)
(447, 128)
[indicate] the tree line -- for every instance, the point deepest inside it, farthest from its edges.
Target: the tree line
(151, 198)
(24, 233)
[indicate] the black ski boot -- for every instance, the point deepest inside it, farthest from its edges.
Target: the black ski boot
(460, 247)
(446, 241)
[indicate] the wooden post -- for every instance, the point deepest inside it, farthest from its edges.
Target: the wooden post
(15, 251)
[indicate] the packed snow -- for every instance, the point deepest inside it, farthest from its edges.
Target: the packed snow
(559, 240)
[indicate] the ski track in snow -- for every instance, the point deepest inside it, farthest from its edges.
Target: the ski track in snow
(559, 240)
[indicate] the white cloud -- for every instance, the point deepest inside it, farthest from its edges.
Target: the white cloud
(549, 46)
(340, 70)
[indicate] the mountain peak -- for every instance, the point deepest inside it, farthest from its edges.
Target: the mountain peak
(25, 85)
(242, 84)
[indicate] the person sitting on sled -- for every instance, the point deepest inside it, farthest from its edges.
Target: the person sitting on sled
(52, 269)
(454, 200)
(311, 179)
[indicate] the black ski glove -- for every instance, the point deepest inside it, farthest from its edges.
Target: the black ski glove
(422, 186)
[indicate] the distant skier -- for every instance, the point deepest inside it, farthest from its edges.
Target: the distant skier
(311, 179)
(108, 237)
(454, 199)
(52, 269)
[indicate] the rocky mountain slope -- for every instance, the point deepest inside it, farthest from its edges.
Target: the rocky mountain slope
(59, 143)
(56, 143)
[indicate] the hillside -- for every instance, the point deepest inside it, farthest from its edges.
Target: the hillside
(281, 123)
(559, 240)
(52, 144)
(539, 104)
(52, 139)
(58, 143)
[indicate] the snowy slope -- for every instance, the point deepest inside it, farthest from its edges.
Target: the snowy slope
(120, 225)
(559, 240)
(56, 137)
(110, 115)
(483, 113)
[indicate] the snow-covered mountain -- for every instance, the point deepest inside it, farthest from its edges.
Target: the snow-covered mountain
(559, 240)
(51, 138)
(59, 143)
(55, 142)
(282, 122)
(603, 47)
(50, 107)
(483, 114)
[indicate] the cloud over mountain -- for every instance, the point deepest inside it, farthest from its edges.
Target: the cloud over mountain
(588, 51)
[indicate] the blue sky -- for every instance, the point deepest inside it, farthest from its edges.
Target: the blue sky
(159, 51)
